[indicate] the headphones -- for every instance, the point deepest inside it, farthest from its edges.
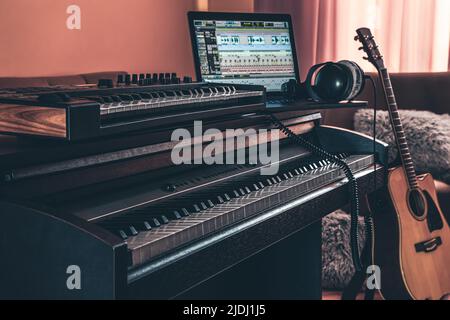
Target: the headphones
(329, 82)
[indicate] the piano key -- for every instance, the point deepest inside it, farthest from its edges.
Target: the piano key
(224, 213)
(122, 234)
(174, 215)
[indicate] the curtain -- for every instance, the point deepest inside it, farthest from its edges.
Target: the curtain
(413, 35)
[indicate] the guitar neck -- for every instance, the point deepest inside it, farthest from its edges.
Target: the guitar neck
(400, 137)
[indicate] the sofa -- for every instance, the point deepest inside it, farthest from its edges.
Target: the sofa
(419, 91)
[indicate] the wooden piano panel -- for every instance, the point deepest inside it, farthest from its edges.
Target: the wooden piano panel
(33, 120)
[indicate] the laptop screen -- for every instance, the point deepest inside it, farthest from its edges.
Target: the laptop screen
(244, 51)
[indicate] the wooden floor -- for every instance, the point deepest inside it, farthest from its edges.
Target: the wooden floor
(336, 295)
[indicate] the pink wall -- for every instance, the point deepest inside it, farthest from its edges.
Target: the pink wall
(130, 35)
(231, 5)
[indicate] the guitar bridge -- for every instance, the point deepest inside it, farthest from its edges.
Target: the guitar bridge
(429, 245)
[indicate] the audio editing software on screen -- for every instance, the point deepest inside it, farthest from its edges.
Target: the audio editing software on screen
(245, 52)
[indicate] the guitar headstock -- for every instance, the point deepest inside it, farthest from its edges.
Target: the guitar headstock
(364, 35)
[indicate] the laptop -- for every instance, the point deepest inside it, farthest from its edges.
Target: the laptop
(242, 48)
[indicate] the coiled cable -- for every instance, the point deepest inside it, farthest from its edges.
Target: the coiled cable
(353, 187)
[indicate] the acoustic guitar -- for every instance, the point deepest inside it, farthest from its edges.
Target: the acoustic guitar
(412, 236)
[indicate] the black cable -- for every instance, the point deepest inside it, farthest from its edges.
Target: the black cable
(353, 186)
(368, 218)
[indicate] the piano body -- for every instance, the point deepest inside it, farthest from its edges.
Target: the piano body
(116, 212)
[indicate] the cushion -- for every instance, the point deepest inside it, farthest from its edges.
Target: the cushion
(427, 133)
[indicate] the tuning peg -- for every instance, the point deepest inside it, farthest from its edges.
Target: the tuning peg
(356, 38)
(361, 48)
(365, 58)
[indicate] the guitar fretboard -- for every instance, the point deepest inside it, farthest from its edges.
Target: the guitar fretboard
(397, 126)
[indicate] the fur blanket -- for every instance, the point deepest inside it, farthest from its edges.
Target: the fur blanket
(427, 133)
(337, 264)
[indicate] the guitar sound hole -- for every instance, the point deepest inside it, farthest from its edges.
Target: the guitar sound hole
(417, 204)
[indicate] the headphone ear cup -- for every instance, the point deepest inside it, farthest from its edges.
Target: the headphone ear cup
(335, 82)
(308, 85)
(356, 83)
(331, 82)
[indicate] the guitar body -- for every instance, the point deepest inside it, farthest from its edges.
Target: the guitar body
(412, 251)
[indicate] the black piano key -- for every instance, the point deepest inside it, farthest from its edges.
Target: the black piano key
(154, 223)
(173, 215)
(145, 95)
(203, 206)
(164, 219)
(154, 219)
(209, 203)
(116, 98)
(107, 99)
(125, 97)
(122, 234)
(136, 97)
(142, 226)
(122, 229)
(220, 200)
(155, 95)
(133, 230)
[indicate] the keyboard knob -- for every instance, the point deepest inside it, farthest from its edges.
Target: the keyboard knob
(161, 77)
(127, 79)
(141, 76)
(105, 83)
(173, 75)
(167, 75)
(134, 79)
(155, 78)
(187, 79)
(120, 79)
(170, 187)
(148, 76)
